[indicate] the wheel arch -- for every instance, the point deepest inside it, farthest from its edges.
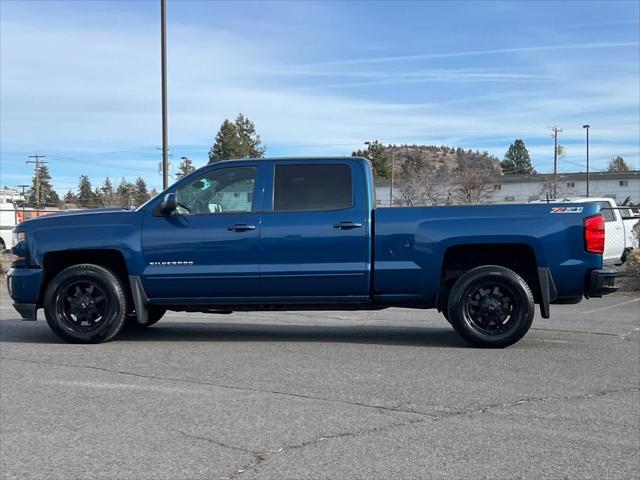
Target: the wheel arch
(56, 261)
(519, 257)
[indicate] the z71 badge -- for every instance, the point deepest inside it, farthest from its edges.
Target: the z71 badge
(566, 210)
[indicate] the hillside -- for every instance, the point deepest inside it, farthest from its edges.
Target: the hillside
(444, 157)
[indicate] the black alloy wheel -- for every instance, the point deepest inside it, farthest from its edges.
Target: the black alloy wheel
(82, 305)
(85, 304)
(491, 306)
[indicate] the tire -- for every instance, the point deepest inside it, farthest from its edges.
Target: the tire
(85, 304)
(491, 306)
(155, 314)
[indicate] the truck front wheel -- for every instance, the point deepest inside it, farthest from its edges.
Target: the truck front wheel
(491, 306)
(85, 304)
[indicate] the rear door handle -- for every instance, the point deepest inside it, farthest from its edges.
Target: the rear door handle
(241, 227)
(347, 225)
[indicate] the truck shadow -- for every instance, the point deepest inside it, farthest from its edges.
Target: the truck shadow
(201, 332)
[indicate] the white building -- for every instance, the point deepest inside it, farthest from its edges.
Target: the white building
(525, 188)
(10, 196)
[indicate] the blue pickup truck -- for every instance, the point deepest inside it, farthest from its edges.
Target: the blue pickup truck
(304, 234)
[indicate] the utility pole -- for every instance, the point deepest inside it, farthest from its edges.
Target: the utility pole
(37, 163)
(163, 54)
(24, 199)
(587, 127)
(555, 130)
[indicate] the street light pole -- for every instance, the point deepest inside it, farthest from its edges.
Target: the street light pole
(555, 130)
(587, 127)
(393, 161)
(163, 54)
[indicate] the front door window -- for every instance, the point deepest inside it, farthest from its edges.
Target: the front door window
(226, 190)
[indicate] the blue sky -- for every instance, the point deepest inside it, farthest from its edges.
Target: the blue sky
(80, 83)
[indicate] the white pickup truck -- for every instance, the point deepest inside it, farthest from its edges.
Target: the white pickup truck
(619, 222)
(618, 226)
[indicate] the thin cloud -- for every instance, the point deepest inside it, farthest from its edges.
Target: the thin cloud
(469, 53)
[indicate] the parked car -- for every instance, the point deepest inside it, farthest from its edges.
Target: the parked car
(287, 234)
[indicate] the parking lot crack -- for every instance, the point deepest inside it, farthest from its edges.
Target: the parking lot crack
(265, 454)
(216, 442)
(604, 334)
(526, 400)
(224, 386)
(626, 336)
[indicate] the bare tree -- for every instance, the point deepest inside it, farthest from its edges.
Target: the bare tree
(564, 187)
(472, 186)
(421, 182)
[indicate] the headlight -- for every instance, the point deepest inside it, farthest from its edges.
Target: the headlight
(20, 250)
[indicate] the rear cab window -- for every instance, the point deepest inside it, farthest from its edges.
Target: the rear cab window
(312, 188)
(607, 212)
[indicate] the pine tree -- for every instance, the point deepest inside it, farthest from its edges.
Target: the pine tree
(379, 156)
(186, 167)
(618, 164)
(87, 198)
(516, 160)
(236, 140)
(140, 194)
(108, 194)
(70, 198)
(124, 193)
(47, 196)
(250, 141)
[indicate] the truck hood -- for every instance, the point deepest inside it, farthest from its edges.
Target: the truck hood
(81, 218)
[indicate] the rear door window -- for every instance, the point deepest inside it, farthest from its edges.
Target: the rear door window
(312, 188)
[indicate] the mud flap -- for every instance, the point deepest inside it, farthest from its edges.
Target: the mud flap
(140, 300)
(548, 291)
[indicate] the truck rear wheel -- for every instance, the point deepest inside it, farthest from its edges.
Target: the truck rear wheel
(85, 304)
(491, 306)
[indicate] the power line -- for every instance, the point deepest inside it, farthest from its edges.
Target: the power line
(99, 154)
(581, 165)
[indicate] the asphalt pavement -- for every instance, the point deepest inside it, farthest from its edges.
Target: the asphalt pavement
(393, 394)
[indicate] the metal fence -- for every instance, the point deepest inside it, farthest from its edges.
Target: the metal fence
(622, 231)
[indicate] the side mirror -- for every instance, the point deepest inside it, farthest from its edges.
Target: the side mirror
(169, 204)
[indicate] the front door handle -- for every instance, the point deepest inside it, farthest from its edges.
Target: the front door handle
(347, 225)
(241, 227)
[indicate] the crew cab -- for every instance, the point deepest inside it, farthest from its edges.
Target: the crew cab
(304, 234)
